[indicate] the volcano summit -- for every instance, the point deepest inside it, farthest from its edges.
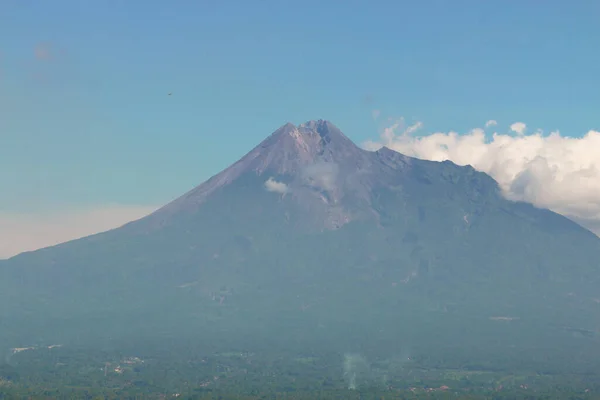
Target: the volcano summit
(310, 242)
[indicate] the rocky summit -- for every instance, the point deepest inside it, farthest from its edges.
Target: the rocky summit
(311, 243)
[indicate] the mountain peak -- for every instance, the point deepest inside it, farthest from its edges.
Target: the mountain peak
(316, 129)
(285, 129)
(321, 126)
(288, 151)
(291, 147)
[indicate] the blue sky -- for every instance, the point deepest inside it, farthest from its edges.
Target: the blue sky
(85, 119)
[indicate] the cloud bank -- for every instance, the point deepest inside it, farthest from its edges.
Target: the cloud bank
(25, 232)
(552, 171)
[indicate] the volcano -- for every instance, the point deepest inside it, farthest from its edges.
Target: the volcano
(311, 242)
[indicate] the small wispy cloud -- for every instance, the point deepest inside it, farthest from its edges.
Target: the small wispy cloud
(322, 174)
(413, 128)
(375, 114)
(274, 186)
(518, 128)
(552, 171)
(44, 51)
(396, 128)
(490, 123)
(49, 64)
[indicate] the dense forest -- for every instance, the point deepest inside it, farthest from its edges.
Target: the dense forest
(72, 373)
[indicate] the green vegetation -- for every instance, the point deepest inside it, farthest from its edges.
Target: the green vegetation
(63, 373)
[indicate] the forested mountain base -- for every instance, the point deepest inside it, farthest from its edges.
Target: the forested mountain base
(62, 373)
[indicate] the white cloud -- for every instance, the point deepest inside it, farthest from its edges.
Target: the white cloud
(25, 232)
(389, 133)
(322, 174)
(490, 123)
(413, 128)
(372, 145)
(278, 187)
(519, 128)
(551, 171)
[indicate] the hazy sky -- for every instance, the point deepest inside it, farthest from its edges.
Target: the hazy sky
(90, 137)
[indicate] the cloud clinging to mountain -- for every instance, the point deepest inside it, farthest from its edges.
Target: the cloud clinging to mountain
(274, 186)
(552, 171)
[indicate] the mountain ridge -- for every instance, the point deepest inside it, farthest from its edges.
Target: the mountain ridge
(386, 247)
(287, 148)
(318, 154)
(311, 139)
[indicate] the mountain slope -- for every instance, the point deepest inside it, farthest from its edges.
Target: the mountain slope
(310, 241)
